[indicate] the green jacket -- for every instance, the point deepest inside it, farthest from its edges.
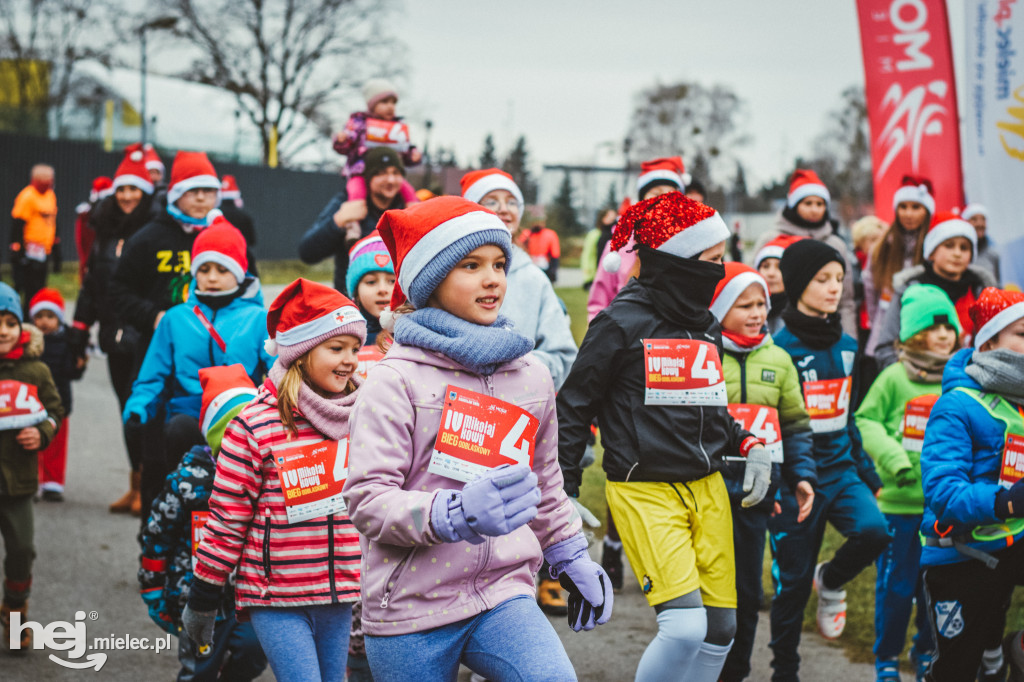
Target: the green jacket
(880, 421)
(589, 255)
(19, 468)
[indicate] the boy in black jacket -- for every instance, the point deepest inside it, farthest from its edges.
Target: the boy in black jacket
(650, 370)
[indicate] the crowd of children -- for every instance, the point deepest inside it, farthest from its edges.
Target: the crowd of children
(383, 487)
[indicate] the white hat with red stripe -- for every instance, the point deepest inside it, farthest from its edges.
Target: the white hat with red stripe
(737, 278)
(479, 183)
(306, 314)
(132, 170)
(223, 244)
(947, 225)
(668, 170)
(806, 183)
(994, 311)
(191, 170)
(917, 190)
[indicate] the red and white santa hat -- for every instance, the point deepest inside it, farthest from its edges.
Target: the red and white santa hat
(191, 170)
(672, 223)
(806, 183)
(913, 188)
(737, 278)
(132, 171)
(775, 248)
(994, 311)
(304, 315)
(102, 187)
(668, 170)
(223, 244)
(477, 184)
(229, 188)
(47, 299)
(972, 210)
(947, 225)
(428, 239)
(152, 159)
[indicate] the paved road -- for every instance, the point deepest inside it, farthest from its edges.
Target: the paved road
(87, 561)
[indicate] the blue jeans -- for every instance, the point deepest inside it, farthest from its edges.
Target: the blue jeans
(513, 642)
(305, 643)
(236, 654)
(899, 582)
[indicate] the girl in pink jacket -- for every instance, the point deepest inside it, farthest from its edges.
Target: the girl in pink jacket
(277, 516)
(448, 569)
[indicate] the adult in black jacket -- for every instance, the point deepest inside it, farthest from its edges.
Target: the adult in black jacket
(333, 232)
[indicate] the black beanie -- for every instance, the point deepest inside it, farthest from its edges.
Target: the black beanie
(800, 263)
(378, 159)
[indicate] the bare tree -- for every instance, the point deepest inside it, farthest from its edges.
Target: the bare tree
(691, 120)
(286, 61)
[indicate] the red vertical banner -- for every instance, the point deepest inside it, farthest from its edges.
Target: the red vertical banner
(911, 98)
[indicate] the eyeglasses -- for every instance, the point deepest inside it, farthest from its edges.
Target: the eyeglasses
(495, 204)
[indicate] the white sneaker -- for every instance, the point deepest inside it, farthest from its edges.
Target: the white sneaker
(831, 607)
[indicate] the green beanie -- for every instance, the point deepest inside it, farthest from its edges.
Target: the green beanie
(923, 306)
(216, 432)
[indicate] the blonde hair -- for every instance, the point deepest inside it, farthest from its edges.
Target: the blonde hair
(919, 341)
(863, 228)
(288, 391)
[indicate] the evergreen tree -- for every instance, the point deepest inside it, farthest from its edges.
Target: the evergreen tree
(517, 165)
(488, 159)
(561, 213)
(612, 200)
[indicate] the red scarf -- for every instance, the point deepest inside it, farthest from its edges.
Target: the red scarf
(19, 347)
(743, 341)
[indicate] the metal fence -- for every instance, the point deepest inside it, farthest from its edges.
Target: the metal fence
(283, 203)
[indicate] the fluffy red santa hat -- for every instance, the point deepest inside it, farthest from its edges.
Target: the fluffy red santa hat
(47, 299)
(668, 170)
(806, 183)
(737, 278)
(994, 311)
(304, 315)
(223, 244)
(191, 170)
(132, 171)
(477, 184)
(775, 248)
(916, 189)
(947, 225)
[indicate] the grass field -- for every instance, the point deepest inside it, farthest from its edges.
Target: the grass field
(859, 637)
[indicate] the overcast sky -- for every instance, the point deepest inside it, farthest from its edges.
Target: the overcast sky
(564, 72)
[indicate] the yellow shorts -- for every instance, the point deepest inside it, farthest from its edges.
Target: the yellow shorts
(678, 538)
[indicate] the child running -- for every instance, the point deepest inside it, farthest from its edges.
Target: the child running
(297, 561)
(24, 430)
(664, 444)
(177, 517)
(764, 393)
(973, 524)
(892, 422)
(448, 568)
(824, 356)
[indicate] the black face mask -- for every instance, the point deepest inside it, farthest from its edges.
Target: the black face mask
(683, 287)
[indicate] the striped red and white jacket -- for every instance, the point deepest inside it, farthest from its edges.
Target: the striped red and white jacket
(307, 563)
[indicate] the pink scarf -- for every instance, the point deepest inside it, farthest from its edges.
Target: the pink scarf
(329, 416)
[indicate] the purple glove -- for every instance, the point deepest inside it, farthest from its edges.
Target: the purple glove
(590, 594)
(496, 503)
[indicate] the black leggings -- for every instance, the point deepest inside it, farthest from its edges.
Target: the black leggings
(121, 367)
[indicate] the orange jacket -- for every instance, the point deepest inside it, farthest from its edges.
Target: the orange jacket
(39, 211)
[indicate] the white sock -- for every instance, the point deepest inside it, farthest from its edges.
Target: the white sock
(707, 666)
(992, 660)
(674, 648)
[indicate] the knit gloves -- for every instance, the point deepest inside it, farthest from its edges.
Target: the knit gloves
(589, 588)
(1010, 501)
(496, 503)
(757, 475)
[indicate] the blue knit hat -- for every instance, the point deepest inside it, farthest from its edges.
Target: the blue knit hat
(10, 301)
(367, 255)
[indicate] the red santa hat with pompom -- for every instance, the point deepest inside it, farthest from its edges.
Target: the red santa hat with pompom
(229, 190)
(775, 248)
(477, 184)
(304, 315)
(152, 159)
(191, 170)
(947, 225)
(915, 189)
(670, 222)
(223, 244)
(668, 170)
(102, 187)
(806, 183)
(132, 171)
(994, 311)
(737, 278)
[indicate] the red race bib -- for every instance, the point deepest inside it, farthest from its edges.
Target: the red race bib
(1012, 469)
(368, 357)
(19, 405)
(199, 521)
(763, 422)
(828, 404)
(478, 433)
(683, 372)
(915, 418)
(312, 476)
(393, 134)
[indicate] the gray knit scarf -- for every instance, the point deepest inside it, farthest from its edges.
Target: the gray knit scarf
(924, 367)
(999, 371)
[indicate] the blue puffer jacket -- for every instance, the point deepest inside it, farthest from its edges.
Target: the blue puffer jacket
(963, 450)
(837, 451)
(182, 346)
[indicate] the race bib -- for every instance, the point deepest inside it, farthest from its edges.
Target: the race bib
(828, 404)
(915, 418)
(393, 134)
(312, 476)
(683, 372)
(199, 521)
(368, 356)
(1012, 469)
(763, 422)
(36, 252)
(19, 405)
(478, 433)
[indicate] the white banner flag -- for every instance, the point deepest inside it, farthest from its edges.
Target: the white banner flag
(993, 143)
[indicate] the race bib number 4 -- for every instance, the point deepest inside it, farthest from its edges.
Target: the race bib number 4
(683, 372)
(312, 476)
(478, 433)
(19, 405)
(1012, 469)
(763, 422)
(915, 419)
(828, 404)
(368, 356)
(199, 521)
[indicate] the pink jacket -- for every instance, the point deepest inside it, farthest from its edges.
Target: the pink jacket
(279, 564)
(607, 284)
(411, 580)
